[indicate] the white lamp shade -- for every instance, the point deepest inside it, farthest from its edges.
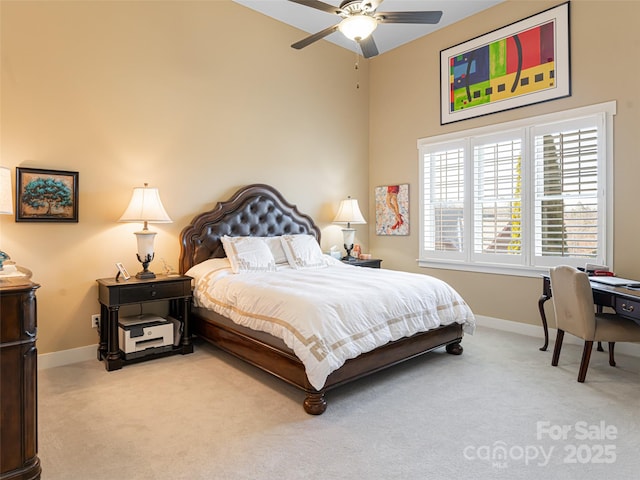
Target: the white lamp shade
(349, 212)
(145, 206)
(6, 197)
(358, 27)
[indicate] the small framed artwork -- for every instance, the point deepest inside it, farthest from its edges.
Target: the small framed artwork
(520, 64)
(392, 209)
(46, 195)
(122, 271)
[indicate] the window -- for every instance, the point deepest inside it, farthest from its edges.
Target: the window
(520, 197)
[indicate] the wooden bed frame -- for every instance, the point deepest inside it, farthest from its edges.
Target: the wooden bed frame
(260, 210)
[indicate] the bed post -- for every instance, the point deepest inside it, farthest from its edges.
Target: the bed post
(314, 403)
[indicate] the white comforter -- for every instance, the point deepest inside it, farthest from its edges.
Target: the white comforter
(329, 315)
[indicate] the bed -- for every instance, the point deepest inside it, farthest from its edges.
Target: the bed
(261, 211)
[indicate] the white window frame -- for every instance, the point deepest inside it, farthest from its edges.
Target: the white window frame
(529, 264)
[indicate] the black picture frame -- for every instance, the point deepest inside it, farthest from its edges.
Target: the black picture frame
(468, 89)
(46, 195)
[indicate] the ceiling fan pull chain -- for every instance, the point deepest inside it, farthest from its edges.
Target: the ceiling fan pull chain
(357, 68)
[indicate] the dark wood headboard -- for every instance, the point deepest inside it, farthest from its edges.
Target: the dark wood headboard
(255, 210)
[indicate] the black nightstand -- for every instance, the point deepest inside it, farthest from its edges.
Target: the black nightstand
(112, 294)
(371, 263)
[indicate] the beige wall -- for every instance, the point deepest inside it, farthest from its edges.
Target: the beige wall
(404, 107)
(199, 98)
(195, 98)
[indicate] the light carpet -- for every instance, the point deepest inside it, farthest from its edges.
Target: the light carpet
(498, 411)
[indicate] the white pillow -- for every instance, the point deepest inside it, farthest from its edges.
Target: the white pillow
(303, 251)
(275, 245)
(248, 254)
(197, 271)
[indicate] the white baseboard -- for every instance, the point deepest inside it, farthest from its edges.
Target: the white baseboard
(623, 348)
(66, 357)
(81, 354)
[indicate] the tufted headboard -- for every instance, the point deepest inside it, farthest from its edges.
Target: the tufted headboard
(255, 210)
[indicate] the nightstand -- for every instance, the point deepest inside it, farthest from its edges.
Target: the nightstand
(371, 263)
(113, 294)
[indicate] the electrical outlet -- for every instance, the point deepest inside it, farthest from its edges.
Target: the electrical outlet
(95, 320)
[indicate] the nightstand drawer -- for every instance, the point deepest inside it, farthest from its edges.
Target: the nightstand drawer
(144, 293)
(627, 308)
(111, 292)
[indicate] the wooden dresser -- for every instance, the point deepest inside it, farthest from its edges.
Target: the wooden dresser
(18, 383)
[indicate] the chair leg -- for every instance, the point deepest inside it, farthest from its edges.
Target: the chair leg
(586, 356)
(557, 347)
(612, 360)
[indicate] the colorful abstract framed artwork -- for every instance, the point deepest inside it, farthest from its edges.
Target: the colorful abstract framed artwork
(392, 210)
(520, 64)
(46, 195)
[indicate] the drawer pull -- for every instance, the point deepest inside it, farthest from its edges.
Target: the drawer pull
(627, 308)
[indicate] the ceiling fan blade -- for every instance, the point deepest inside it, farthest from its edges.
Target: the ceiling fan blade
(315, 37)
(409, 17)
(368, 47)
(325, 7)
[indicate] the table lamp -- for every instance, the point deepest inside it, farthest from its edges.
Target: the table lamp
(145, 206)
(349, 213)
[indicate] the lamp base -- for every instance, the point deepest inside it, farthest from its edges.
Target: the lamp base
(145, 273)
(348, 256)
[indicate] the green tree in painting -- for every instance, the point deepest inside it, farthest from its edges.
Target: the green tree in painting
(47, 192)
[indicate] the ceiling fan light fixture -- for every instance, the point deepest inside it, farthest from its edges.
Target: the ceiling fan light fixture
(358, 27)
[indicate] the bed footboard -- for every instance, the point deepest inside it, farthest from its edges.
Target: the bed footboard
(271, 355)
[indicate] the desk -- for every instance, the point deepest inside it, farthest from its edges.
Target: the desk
(625, 301)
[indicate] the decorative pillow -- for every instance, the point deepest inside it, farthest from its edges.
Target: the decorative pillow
(275, 245)
(248, 254)
(303, 251)
(197, 271)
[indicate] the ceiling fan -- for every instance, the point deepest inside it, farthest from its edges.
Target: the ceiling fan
(360, 19)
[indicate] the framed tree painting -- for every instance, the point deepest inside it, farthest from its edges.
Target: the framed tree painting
(520, 64)
(46, 195)
(392, 209)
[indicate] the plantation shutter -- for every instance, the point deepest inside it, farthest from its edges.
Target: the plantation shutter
(566, 191)
(497, 196)
(444, 200)
(520, 197)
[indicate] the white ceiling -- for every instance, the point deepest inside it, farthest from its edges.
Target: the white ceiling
(386, 36)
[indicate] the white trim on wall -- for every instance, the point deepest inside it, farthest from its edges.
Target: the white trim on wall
(622, 348)
(67, 357)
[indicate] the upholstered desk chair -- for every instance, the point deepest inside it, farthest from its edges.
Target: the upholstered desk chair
(573, 304)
